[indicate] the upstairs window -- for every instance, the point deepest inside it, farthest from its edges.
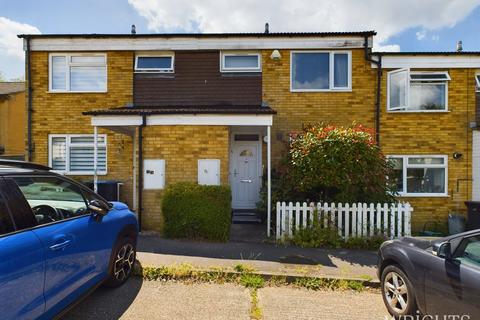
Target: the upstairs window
(157, 63)
(477, 80)
(240, 62)
(74, 153)
(417, 91)
(320, 71)
(420, 175)
(78, 73)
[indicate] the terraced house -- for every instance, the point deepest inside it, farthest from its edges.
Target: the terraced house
(218, 108)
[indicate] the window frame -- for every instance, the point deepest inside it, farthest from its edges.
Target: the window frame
(477, 81)
(407, 107)
(68, 57)
(224, 54)
(68, 138)
(155, 70)
(406, 166)
(331, 71)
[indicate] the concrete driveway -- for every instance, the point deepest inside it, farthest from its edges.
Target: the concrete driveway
(139, 299)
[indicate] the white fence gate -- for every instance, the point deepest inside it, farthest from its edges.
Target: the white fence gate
(352, 220)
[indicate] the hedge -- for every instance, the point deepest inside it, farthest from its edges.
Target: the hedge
(195, 211)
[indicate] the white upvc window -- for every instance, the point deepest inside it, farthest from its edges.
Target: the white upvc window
(420, 175)
(73, 154)
(240, 62)
(409, 91)
(78, 72)
(163, 63)
(477, 81)
(316, 71)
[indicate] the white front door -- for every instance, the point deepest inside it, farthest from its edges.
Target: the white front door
(245, 174)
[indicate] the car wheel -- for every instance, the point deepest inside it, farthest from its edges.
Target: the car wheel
(122, 262)
(397, 292)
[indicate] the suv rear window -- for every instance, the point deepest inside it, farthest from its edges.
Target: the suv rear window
(6, 224)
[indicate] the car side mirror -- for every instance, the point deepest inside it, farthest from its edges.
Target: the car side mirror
(445, 250)
(98, 207)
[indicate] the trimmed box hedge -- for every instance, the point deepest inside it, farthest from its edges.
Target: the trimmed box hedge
(195, 211)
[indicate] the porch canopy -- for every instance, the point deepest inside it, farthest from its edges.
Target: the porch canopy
(126, 120)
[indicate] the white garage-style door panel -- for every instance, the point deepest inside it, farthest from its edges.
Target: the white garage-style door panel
(209, 172)
(476, 166)
(153, 174)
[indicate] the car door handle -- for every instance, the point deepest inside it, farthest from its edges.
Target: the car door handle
(246, 181)
(60, 246)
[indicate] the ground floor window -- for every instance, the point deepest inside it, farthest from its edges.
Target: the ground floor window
(420, 175)
(73, 153)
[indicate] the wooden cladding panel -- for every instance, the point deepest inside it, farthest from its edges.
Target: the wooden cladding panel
(197, 81)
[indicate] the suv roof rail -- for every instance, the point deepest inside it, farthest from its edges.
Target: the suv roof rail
(23, 165)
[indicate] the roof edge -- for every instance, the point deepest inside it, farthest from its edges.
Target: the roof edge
(202, 35)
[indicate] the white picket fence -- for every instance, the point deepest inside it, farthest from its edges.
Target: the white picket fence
(352, 220)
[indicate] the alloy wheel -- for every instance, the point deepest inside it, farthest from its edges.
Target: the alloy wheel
(396, 292)
(124, 262)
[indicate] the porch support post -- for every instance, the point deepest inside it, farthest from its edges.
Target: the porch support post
(269, 180)
(95, 158)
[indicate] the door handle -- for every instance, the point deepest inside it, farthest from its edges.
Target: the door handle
(246, 181)
(60, 246)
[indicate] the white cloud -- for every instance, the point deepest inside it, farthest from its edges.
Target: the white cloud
(386, 48)
(421, 34)
(10, 44)
(11, 47)
(386, 17)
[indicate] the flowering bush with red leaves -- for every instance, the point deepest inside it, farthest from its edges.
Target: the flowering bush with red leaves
(341, 164)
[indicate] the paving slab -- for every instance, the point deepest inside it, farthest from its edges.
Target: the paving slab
(282, 303)
(153, 300)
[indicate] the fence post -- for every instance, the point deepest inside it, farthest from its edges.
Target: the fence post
(297, 215)
(290, 218)
(278, 222)
(364, 219)
(408, 221)
(340, 219)
(347, 221)
(385, 219)
(400, 213)
(284, 219)
(379, 218)
(371, 227)
(304, 215)
(392, 220)
(354, 220)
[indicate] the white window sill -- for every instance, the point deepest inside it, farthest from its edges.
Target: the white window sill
(242, 71)
(423, 195)
(50, 91)
(155, 71)
(320, 90)
(80, 173)
(418, 111)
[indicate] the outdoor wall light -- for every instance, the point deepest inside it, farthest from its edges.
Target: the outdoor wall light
(457, 155)
(275, 55)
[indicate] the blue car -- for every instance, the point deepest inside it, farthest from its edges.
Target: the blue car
(58, 242)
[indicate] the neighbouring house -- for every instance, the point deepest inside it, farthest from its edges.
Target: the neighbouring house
(12, 120)
(218, 108)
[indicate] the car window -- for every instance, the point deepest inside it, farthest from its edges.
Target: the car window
(52, 199)
(6, 223)
(469, 251)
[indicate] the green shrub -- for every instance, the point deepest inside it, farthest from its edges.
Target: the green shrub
(195, 211)
(325, 163)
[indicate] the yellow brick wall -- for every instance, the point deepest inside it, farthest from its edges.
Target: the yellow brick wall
(61, 113)
(295, 109)
(181, 147)
(12, 120)
(436, 133)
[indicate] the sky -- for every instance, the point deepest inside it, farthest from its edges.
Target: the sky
(406, 25)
